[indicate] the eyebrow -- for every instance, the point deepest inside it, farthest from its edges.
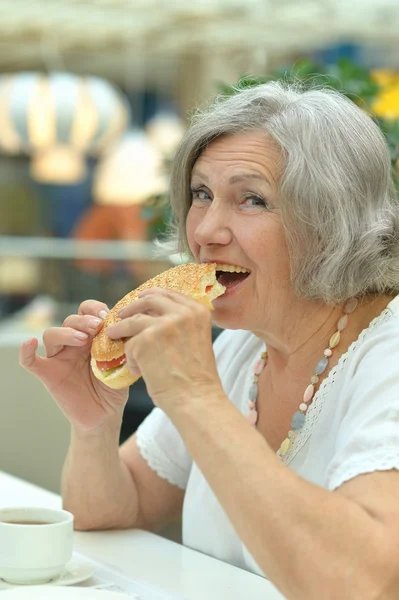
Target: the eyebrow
(235, 178)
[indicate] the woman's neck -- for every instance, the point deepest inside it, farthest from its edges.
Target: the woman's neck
(296, 342)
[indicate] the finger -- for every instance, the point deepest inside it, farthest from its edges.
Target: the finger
(129, 327)
(28, 358)
(130, 362)
(156, 304)
(172, 294)
(86, 323)
(132, 308)
(93, 307)
(56, 338)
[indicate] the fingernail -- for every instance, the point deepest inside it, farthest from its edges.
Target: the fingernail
(94, 323)
(81, 336)
(103, 313)
(121, 312)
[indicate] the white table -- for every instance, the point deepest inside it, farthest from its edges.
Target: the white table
(146, 556)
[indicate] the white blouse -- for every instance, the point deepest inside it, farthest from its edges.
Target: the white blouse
(352, 427)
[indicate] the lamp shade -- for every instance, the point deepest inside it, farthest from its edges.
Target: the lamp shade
(165, 130)
(58, 119)
(130, 173)
(39, 111)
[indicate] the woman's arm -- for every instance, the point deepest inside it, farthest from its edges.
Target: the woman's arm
(110, 488)
(103, 486)
(310, 542)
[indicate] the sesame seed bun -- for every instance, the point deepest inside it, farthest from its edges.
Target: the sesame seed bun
(189, 279)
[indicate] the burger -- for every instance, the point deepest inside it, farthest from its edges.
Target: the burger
(108, 360)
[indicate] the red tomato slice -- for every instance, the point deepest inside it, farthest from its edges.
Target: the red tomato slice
(110, 364)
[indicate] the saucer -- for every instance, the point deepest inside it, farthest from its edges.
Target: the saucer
(38, 592)
(75, 571)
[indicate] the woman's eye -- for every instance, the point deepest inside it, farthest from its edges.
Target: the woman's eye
(253, 200)
(199, 194)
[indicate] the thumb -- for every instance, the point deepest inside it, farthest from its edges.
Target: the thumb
(27, 355)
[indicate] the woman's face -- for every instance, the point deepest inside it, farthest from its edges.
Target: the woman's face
(234, 219)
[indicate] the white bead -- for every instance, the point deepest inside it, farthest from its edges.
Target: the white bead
(350, 306)
(328, 352)
(308, 394)
(303, 407)
(252, 417)
(342, 323)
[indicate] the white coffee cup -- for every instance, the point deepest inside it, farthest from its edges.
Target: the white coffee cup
(35, 544)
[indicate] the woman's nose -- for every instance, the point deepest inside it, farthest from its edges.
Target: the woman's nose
(214, 227)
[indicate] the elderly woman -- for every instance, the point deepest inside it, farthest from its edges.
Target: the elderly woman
(280, 445)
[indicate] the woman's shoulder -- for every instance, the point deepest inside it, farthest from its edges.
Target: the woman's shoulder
(378, 344)
(366, 406)
(384, 329)
(393, 309)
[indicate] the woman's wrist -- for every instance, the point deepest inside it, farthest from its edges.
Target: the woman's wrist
(110, 428)
(199, 404)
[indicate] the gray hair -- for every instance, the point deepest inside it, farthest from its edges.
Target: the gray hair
(339, 207)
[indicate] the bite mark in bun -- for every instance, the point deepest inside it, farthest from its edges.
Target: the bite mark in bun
(108, 361)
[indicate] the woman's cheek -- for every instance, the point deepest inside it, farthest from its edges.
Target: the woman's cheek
(191, 224)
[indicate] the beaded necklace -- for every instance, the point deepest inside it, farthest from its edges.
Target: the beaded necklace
(299, 418)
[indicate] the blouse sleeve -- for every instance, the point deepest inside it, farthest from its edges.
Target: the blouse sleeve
(368, 436)
(161, 445)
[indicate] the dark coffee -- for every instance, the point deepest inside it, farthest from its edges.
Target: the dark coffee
(27, 522)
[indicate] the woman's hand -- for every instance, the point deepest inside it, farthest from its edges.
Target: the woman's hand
(66, 373)
(170, 343)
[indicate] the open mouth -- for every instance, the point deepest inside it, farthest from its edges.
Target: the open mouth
(230, 275)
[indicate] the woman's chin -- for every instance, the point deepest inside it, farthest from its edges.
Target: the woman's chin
(228, 318)
(229, 308)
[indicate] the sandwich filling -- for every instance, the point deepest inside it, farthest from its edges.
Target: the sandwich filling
(107, 367)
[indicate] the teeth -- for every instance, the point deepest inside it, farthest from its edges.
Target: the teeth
(230, 268)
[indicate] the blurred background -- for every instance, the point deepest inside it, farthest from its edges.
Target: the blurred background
(95, 95)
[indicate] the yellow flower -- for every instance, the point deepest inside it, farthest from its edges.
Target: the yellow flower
(386, 103)
(385, 77)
